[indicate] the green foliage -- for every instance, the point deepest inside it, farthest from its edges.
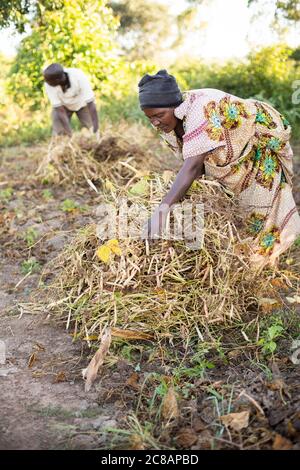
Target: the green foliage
(143, 25)
(30, 266)
(267, 74)
(14, 12)
(270, 335)
(80, 34)
(17, 13)
(30, 236)
(297, 242)
(6, 194)
(288, 9)
(47, 194)
(200, 364)
(68, 205)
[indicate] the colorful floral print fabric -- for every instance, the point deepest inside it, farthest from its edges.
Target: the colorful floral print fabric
(247, 149)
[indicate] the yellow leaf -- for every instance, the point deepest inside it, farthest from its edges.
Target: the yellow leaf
(112, 242)
(109, 185)
(116, 250)
(130, 334)
(103, 253)
(90, 338)
(114, 246)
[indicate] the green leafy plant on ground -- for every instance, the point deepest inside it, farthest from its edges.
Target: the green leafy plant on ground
(30, 266)
(6, 194)
(270, 336)
(30, 236)
(68, 205)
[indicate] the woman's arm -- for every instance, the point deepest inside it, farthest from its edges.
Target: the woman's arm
(191, 169)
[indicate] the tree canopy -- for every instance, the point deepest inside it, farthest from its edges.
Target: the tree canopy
(144, 26)
(80, 35)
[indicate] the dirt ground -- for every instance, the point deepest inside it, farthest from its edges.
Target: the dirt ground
(43, 402)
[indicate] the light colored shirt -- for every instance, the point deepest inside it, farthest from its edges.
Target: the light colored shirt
(74, 98)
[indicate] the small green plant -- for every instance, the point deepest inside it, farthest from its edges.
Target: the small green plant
(68, 205)
(199, 363)
(297, 242)
(270, 335)
(47, 194)
(6, 194)
(30, 265)
(30, 236)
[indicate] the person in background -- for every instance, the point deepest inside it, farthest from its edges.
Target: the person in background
(241, 143)
(69, 91)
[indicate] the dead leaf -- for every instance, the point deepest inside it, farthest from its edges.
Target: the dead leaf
(277, 384)
(236, 421)
(31, 360)
(170, 405)
(198, 425)
(90, 373)
(234, 353)
(281, 443)
(136, 442)
(205, 440)
(279, 283)
(132, 381)
(186, 437)
(281, 386)
(130, 334)
(268, 305)
(60, 377)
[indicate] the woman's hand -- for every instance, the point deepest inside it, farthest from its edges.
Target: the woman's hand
(191, 169)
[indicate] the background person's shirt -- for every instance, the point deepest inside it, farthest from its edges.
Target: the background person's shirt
(77, 96)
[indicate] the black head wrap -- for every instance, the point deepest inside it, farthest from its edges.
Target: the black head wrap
(159, 91)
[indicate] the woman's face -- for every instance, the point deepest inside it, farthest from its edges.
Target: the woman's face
(162, 118)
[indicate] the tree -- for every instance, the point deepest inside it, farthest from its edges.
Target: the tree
(18, 13)
(144, 26)
(288, 9)
(79, 34)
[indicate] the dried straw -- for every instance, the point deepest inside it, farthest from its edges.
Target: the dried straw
(123, 154)
(164, 289)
